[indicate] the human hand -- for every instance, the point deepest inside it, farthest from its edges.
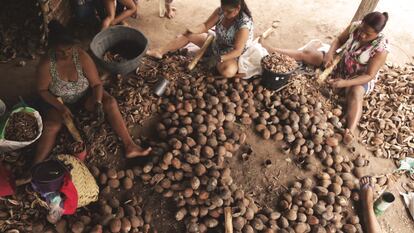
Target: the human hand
(337, 83)
(100, 114)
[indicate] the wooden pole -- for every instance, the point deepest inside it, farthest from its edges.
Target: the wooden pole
(365, 7)
(200, 52)
(228, 220)
(71, 126)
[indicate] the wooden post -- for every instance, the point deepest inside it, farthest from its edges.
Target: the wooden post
(365, 7)
(228, 220)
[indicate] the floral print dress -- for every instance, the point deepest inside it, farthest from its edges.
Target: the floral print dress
(225, 37)
(356, 57)
(69, 91)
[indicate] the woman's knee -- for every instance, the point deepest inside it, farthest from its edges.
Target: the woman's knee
(228, 72)
(52, 126)
(356, 92)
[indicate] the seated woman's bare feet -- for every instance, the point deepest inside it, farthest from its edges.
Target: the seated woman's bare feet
(154, 53)
(348, 137)
(314, 45)
(124, 23)
(133, 151)
(170, 11)
(367, 193)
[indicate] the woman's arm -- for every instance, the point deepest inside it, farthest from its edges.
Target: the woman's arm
(91, 74)
(375, 63)
(204, 27)
(336, 43)
(239, 44)
(131, 8)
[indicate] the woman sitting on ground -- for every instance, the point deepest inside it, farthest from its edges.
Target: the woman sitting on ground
(124, 9)
(365, 51)
(69, 72)
(233, 34)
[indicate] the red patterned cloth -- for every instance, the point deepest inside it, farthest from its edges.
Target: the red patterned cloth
(6, 182)
(70, 202)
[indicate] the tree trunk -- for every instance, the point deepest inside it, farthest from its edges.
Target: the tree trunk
(365, 7)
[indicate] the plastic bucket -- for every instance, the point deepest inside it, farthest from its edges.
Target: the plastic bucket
(275, 81)
(131, 41)
(48, 176)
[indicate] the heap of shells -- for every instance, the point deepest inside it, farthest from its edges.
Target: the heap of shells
(20, 211)
(279, 63)
(196, 129)
(387, 123)
(21, 127)
(20, 36)
(321, 206)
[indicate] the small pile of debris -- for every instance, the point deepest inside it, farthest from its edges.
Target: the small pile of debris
(21, 29)
(110, 56)
(279, 63)
(21, 127)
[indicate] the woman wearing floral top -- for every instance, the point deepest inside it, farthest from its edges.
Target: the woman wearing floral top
(233, 34)
(365, 51)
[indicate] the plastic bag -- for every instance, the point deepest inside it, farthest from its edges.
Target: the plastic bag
(7, 145)
(409, 202)
(250, 61)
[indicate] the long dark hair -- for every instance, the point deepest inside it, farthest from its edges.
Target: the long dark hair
(59, 34)
(376, 20)
(236, 3)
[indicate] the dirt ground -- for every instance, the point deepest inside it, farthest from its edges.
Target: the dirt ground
(300, 21)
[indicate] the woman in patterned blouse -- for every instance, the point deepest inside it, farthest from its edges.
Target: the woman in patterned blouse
(365, 51)
(233, 34)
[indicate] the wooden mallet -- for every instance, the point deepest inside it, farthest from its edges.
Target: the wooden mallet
(322, 77)
(200, 52)
(71, 126)
(228, 220)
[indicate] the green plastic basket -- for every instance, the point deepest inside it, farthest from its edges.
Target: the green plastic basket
(4, 123)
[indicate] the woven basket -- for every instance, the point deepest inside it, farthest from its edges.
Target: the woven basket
(83, 180)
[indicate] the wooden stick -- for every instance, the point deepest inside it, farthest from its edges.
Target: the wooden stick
(71, 126)
(200, 52)
(267, 33)
(322, 77)
(228, 220)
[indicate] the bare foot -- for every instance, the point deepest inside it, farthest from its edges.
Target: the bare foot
(154, 53)
(367, 193)
(133, 151)
(170, 13)
(348, 137)
(124, 23)
(314, 45)
(135, 15)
